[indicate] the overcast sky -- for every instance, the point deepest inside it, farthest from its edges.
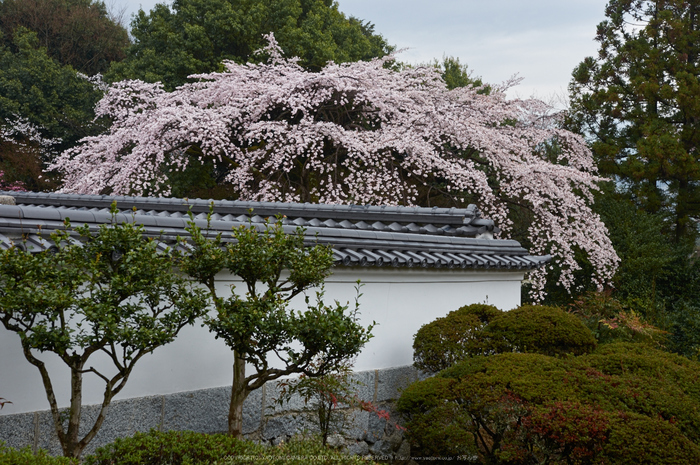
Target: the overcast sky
(540, 40)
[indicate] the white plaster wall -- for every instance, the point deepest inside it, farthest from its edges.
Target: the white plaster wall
(399, 300)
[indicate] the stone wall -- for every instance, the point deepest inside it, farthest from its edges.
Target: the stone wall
(206, 411)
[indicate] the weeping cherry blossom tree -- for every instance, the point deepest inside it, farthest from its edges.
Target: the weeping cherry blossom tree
(357, 133)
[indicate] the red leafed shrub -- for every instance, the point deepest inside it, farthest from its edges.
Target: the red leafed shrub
(568, 430)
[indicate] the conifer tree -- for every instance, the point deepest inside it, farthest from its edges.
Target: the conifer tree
(638, 102)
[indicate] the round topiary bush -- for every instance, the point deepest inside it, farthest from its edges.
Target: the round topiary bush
(445, 341)
(623, 404)
(539, 329)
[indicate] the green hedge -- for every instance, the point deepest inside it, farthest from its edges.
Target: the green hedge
(540, 329)
(190, 448)
(9, 456)
(445, 341)
(484, 330)
(623, 403)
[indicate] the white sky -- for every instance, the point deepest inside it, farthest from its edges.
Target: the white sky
(540, 40)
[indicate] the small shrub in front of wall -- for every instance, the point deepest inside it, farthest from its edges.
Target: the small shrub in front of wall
(10, 456)
(539, 329)
(190, 448)
(326, 397)
(445, 341)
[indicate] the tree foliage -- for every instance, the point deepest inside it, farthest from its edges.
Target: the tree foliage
(35, 89)
(22, 154)
(354, 133)
(657, 283)
(112, 292)
(44, 108)
(610, 321)
(456, 74)
(45, 105)
(10, 186)
(646, 253)
(79, 33)
(195, 36)
(259, 326)
(638, 103)
(532, 408)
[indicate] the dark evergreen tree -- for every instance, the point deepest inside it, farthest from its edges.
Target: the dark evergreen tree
(195, 36)
(45, 107)
(80, 33)
(639, 102)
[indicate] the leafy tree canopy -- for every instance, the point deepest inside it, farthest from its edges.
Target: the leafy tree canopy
(44, 108)
(195, 36)
(114, 293)
(79, 33)
(658, 280)
(275, 267)
(45, 105)
(638, 103)
(9, 186)
(456, 74)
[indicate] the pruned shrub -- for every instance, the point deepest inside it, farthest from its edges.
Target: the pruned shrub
(437, 420)
(445, 341)
(642, 440)
(10, 456)
(564, 430)
(539, 329)
(623, 403)
(190, 448)
(171, 447)
(481, 329)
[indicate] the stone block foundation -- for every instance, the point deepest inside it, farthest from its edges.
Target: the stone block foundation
(264, 420)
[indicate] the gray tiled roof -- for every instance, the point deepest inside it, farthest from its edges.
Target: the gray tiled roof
(359, 235)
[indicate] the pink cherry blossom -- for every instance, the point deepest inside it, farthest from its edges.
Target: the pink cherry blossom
(359, 133)
(14, 186)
